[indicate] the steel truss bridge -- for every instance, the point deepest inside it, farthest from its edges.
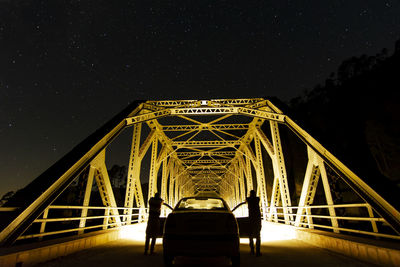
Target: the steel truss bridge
(197, 146)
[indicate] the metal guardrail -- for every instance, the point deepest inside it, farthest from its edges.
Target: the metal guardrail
(274, 215)
(138, 215)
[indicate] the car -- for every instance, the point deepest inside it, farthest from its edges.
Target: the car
(201, 226)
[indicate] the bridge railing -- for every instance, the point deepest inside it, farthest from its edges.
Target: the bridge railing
(61, 220)
(315, 218)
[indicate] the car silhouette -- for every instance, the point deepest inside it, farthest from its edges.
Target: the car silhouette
(201, 227)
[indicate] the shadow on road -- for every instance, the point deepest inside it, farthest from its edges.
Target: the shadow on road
(274, 253)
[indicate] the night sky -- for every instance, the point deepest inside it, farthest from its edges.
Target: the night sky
(66, 67)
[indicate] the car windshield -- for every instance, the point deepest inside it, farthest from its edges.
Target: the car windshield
(203, 203)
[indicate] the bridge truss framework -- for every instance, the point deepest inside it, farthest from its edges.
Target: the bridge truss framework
(200, 146)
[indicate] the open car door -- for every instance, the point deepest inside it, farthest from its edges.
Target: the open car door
(162, 222)
(243, 222)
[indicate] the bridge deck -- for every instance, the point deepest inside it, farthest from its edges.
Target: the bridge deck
(282, 250)
(127, 252)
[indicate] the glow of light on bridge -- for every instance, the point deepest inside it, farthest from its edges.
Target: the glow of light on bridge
(269, 232)
(274, 232)
(136, 232)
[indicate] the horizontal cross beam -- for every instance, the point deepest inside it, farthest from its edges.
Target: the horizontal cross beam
(206, 111)
(206, 171)
(229, 143)
(206, 153)
(170, 128)
(209, 167)
(206, 161)
(174, 103)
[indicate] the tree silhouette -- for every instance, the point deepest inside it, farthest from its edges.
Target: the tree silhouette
(354, 115)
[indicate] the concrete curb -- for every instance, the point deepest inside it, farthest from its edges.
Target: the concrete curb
(367, 252)
(27, 256)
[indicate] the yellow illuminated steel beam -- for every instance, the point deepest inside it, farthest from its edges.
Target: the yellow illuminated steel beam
(133, 185)
(153, 169)
(380, 205)
(280, 171)
(86, 199)
(206, 111)
(169, 128)
(207, 161)
(206, 153)
(261, 184)
(146, 144)
(187, 171)
(228, 143)
(105, 188)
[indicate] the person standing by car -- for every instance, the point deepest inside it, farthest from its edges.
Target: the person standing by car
(253, 204)
(153, 223)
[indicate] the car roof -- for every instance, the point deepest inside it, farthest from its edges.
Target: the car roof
(207, 194)
(202, 197)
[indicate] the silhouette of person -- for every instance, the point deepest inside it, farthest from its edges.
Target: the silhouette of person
(254, 221)
(253, 203)
(153, 224)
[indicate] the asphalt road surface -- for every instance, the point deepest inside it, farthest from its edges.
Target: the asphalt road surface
(128, 252)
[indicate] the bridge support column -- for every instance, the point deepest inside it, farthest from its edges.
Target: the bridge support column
(177, 183)
(43, 224)
(241, 186)
(249, 176)
(275, 199)
(105, 188)
(164, 182)
(86, 199)
(171, 201)
(236, 182)
(133, 185)
(261, 185)
(328, 194)
(307, 193)
(315, 169)
(278, 162)
(153, 169)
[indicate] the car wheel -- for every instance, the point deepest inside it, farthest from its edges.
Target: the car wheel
(168, 260)
(235, 261)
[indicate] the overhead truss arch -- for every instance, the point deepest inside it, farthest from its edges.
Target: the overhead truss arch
(219, 148)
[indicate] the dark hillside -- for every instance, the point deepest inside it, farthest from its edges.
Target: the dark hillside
(355, 115)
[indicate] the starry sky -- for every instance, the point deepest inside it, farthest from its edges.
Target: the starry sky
(66, 67)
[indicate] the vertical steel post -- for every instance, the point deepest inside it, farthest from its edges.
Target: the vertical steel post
(133, 185)
(249, 176)
(43, 224)
(171, 183)
(86, 199)
(328, 194)
(242, 187)
(104, 185)
(176, 184)
(261, 177)
(315, 169)
(153, 169)
(106, 218)
(235, 177)
(371, 215)
(164, 180)
(275, 198)
(307, 192)
(280, 172)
